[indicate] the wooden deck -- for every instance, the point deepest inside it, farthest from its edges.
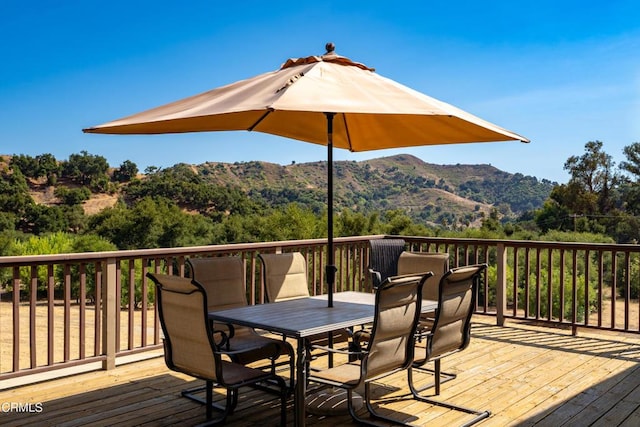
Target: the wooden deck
(525, 375)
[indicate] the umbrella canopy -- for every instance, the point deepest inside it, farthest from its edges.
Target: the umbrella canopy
(372, 112)
(328, 100)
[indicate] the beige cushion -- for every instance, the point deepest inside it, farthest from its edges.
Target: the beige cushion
(285, 276)
(422, 262)
(223, 279)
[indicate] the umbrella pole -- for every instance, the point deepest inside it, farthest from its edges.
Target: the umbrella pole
(331, 257)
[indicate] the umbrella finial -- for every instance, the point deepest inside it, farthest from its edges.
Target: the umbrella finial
(330, 48)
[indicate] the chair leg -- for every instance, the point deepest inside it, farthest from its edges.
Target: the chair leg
(191, 394)
(232, 402)
(209, 401)
(479, 415)
(210, 406)
(292, 370)
(439, 376)
(284, 394)
(370, 409)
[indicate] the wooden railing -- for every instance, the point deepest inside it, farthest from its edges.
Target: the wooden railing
(92, 310)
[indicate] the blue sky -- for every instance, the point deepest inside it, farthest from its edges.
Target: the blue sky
(561, 73)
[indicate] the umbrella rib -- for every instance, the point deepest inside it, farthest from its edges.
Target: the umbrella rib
(346, 130)
(252, 127)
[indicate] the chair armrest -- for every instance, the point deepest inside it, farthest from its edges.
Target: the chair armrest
(231, 330)
(243, 351)
(377, 277)
(360, 336)
(335, 350)
(224, 339)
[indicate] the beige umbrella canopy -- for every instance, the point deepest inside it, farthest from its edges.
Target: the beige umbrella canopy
(372, 112)
(328, 100)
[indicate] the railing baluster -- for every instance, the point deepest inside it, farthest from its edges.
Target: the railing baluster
(98, 310)
(627, 288)
(82, 302)
(527, 292)
(561, 286)
(516, 281)
(143, 311)
(538, 282)
(614, 286)
(67, 312)
(574, 290)
(587, 287)
(50, 314)
(550, 285)
(600, 286)
(132, 304)
(16, 318)
(33, 292)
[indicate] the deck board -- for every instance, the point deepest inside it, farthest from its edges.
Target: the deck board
(526, 375)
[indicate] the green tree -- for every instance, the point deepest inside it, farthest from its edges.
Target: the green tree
(49, 167)
(28, 165)
(85, 168)
(632, 164)
(40, 219)
(630, 191)
(72, 196)
(126, 172)
(14, 193)
(151, 223)
(592, 177)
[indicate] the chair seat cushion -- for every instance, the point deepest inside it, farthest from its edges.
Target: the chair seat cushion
(347, 374)
(254, 347)
(234, 374)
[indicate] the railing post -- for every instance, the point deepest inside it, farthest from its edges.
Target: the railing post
(501, 284)
(109, 313)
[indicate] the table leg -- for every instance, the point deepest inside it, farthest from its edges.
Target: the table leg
(301, 384)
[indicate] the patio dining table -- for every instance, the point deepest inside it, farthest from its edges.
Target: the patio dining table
(304, 317)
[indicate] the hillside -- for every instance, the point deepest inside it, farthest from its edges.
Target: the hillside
(436, 194)
(427, 191)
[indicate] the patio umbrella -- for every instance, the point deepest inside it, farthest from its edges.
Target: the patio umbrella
(328, 100)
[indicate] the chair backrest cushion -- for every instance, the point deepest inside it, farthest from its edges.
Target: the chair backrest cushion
(452, 326)
(223, 279)
(183, 317)
(285, 276)
(397, 312)
(421, 262)
(383, 258)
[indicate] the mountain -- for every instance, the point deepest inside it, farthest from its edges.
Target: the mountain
(434, 193)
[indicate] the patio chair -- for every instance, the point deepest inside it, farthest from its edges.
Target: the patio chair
(223, 279)
(389, 344)
(190, 347)
(285, 278)
(383, 259)
(438, 264)
(451, 330)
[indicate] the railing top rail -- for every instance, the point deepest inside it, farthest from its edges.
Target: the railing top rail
(10, 261)
(525, 243)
